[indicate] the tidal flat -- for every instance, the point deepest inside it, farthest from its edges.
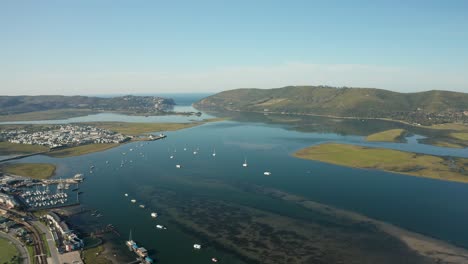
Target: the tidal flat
(256, 235)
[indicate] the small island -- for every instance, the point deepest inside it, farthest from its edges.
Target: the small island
(408, 163)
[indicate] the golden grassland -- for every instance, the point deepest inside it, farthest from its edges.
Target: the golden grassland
(7, 148)
(81, 150)
(460, 135)
(133, 129)
(421, 165)
(31, 170)
(47, 115)
(450, 126)
(392, 135)
(446, 144)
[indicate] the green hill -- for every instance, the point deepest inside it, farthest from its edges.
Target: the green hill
(423, 107)
(11, 105)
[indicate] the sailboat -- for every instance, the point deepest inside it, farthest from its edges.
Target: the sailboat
(245, 163)
(214, 152)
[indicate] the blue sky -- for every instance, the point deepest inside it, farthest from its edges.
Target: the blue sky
(86, 47)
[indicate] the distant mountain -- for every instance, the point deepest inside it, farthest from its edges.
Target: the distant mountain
(23, 104)
(423, 107)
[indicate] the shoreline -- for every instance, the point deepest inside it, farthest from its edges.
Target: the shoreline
(374, 158)
(346, 117)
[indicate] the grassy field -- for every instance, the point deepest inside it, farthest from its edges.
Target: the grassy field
(450, 126)
(7, 251)
(7, 148)
(80, 150)
(392, 135)
(133, 129)
(32, 170)
(461, 135)
(93, 256)
(46, 115)
(388, 160)
(446, 144)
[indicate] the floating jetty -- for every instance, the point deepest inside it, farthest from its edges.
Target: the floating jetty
(141, 252)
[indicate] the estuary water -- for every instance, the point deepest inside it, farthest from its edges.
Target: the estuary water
(147, 173)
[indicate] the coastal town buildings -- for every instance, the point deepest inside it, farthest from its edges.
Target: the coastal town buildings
(63, 135)
(61, 232)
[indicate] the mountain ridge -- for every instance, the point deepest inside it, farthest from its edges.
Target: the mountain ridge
(428, 107)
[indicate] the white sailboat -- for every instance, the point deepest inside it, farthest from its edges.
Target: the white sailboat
(178, 166)
(267, 173)
(245, 163)
(214, 152)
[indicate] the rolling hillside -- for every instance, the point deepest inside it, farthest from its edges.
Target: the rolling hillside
(349, 102)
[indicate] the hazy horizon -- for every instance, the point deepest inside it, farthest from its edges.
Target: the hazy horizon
(113, 47)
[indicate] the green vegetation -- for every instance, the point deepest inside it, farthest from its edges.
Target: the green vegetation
(460, 135)
(450, 126)
(8, 252)
(80, 150)
(93, 256)
(392, 135)
(451, 169)
(39, 107)
(30, 249)
(445, 144)
(141, 128)
(32, 170)
(46, 115)
(344, 102)
(7, 148)
(44, 242)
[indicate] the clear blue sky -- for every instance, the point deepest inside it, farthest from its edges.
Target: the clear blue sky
(86, 47)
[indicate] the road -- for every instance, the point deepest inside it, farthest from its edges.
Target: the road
(54, 259)
(19, 246)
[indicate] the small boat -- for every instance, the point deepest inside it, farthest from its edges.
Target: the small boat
(214, 153)
(91, 167)
(195, 152)
(154, 215)
(171, 157)
(178, 166)
(126, 195)
(196, 246)
(245, 163)
(160, 227)
(267, 173)
(214, 260)
(133, 200)
(142, 206)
